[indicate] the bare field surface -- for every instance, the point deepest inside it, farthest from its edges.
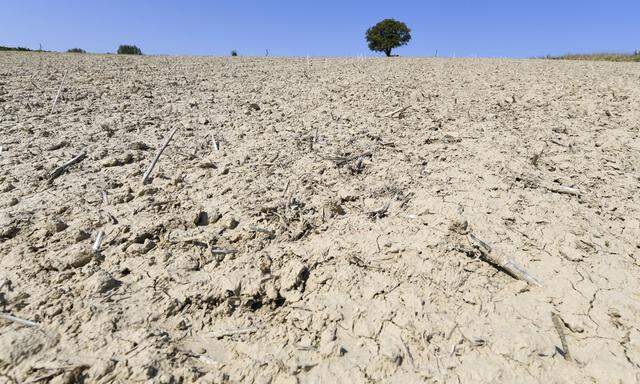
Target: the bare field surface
(323, 220)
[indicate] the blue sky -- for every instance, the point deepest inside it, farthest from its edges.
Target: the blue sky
(497, 28)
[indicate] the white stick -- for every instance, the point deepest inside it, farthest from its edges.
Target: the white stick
(55, 100)
(146, 175)
(18, 320)
(564, 190)
(215, 145)
(397, 111)
(98, 242)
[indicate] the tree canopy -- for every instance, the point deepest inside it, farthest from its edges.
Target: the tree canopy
(388, 34)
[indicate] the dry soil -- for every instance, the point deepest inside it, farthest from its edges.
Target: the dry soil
(295, 229)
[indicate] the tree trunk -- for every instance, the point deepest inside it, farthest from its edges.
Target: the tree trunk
(387, 52)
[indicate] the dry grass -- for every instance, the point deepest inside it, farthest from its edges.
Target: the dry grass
(599, 57)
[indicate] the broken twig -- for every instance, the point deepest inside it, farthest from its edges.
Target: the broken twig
(61, 169)
(510, 266)
(145, 177)
(380, 212)
(269, 232)
(219, 251)
(232, 332)
(558, 323)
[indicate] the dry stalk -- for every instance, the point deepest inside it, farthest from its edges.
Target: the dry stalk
(558, 323)
(145, 177)
(61, 169)
(512, 267)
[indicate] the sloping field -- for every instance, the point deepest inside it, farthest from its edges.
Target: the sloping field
(323, 220)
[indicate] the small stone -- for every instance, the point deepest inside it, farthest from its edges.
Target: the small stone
(56, 225)
(101, 369)
(396, 249)
(8, 228)
(203, 121)
(201, 219)
(101, 282)
(295, 274)
(270, 291)
(9, 202)
(80, 235)
(148, 191)
(185, 263)
(459, 226)
(151, 372)
(235, 238)
(78, 255)
(215, 216)
(138, 145)
(328, 335)
(232, 223)
(110, 161)
(141, 248)
(265, 262)
(57, 145)
(7, 187)
(254, 106)
(127, 159)
(207, 164)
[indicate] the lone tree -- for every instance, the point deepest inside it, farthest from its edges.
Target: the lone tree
(388, 34)
(129, 50)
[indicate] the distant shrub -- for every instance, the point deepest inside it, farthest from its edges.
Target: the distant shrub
(76, 50)
(22, 49)
(635, 56)
(234, 53)
(129, 50)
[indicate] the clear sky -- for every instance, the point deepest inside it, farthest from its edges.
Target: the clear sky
(515, 28)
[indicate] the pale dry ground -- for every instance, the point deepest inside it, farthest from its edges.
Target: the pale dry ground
(332, 294)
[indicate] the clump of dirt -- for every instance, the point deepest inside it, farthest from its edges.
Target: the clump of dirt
(318, 221)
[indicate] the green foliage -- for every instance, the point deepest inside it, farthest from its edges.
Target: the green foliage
(22, 49)
(76, 50)
(234, 53)
(129, 50)
(388, 34)
(635, 56)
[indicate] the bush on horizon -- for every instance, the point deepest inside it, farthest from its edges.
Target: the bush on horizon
(129, 50)
(618, 57)
(21, 49)
(76, 50)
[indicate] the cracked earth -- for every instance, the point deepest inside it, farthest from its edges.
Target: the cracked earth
(310, 220)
